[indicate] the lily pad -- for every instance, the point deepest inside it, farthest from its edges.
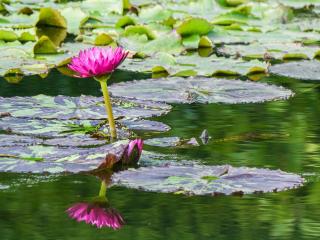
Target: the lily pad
(275, 51)
(83, 107)
(194, 65)
(10, 140)
(207, 180)
(303, 70)
(199, 89)
(145, 125)
(172, 142)
(69, 132)
(53, 159)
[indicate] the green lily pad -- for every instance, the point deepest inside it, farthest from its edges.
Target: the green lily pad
(194, 26)
(44, 46)
(169, 43)
(303, 70)
(51, 17)
(201, 90)
(193, 180)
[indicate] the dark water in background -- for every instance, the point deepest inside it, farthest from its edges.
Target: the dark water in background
(282, 134)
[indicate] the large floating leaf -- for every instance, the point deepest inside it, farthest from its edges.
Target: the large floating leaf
(51, 17)
(202, 90)
(207, 180)
(304, 70)
(41, 158)
(73, 128)
(169, 43)
(194, 26)
(194, 65)
(84, 107)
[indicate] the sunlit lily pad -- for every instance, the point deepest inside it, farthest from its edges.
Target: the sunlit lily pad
(194, 65)
(83, 107)
(198, 89)
(304, 70)
(11, 140)
(44, 128)
(207, 180)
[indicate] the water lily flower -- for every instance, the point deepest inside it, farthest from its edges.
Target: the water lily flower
(99, 63)
(133, 151)
(137, 145)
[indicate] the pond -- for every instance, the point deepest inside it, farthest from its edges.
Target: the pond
(277, 135)
(208, 127)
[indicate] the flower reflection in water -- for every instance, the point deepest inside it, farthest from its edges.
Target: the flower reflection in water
(97, 212)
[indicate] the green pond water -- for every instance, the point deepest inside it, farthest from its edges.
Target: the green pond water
(281, 134)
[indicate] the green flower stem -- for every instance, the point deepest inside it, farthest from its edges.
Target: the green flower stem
(103, 190)
(108, 106)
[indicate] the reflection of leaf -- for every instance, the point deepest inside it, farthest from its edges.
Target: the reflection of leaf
(44, 46)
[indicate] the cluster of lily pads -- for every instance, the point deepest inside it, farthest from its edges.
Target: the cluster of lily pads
(189, 44)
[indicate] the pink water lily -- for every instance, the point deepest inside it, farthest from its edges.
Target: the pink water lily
(97, 61)
(96, 215)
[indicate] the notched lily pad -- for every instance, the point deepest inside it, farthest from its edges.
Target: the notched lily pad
(199, 89)
(207, 180)
(303, 70)
(53, 159)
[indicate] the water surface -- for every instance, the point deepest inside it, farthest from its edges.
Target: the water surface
(282, 134)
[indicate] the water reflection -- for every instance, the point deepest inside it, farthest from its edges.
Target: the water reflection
(97, 211)
(56, 35)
